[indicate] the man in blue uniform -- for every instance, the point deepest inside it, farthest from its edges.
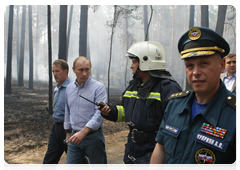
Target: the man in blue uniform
(144, 100)
(199, 126)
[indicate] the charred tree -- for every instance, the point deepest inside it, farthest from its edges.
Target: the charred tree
(49, 61)
(69, 30)
(83, 31)
(221, 18)
(191, 16)
(21, 61)
(191, 24)
(204, 16)
(17, 43)
(62, 51)
(30, 86)
(9, 52)
(115, 19)
(145, 11)
(36, 49)
(146, 22)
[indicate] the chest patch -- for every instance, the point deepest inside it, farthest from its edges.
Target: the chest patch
(171, 129)
(205, 156)
(213, 131)
(213, 142)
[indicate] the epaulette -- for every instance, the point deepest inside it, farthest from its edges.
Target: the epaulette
(231, 101)
(179, 94)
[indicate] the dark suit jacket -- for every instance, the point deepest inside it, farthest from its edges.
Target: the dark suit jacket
(234, 84)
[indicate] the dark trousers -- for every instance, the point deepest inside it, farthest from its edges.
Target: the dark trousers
(56, 147)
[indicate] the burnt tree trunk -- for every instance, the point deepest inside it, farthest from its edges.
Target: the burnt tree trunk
(69, 30)
(21, 61)
(221, 18)
(30, 85)
(62, 51)
(9, 52)
(83, 31)
(49, 60)
(204, 16)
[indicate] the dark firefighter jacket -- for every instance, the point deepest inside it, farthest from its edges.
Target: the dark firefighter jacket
(143, 108)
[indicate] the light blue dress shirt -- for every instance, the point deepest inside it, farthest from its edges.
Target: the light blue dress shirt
(59, 101)
(79, 112)
(229, 81)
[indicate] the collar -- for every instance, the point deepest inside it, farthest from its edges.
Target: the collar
(234, 75)
(65, 83)
(145, 83)
(83, 84)
(212, 111)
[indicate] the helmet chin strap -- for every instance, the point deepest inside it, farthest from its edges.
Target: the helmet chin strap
(136, 73)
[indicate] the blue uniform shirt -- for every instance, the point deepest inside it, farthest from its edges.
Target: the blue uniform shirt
(188, 144)
(59, 101)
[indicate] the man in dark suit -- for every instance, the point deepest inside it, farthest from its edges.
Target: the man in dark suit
(229, 77)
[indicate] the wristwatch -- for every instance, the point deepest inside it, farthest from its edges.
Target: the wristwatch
(68, 130)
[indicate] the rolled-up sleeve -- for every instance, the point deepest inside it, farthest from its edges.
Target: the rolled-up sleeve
(97, 120)
(67, 124)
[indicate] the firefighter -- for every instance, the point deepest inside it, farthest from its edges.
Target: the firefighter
(143, 101)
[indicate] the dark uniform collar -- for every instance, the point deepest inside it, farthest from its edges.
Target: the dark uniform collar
(141, 84)
(212, 111)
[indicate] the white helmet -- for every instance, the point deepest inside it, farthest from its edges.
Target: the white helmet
(151, 55)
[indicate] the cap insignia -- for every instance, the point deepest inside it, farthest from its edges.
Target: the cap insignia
(194, 33)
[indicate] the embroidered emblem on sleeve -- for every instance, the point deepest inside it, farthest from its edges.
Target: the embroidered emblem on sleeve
(205, 156)
(171, 129)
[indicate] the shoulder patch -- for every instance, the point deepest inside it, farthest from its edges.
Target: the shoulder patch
(231, 100)
(179, 94)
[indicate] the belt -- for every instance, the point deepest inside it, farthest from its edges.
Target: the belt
(143, 136)
(58, 123)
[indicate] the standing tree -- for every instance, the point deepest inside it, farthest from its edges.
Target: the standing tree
(36, 45)
(9, 52)
(191, 16)
(191, 24)
(69, 30)
(30, 47)
(21, 61)
(204, 16)
(145, 11)
(62, 51)
(115, 19)
(83, 31)
(221, 18)
(49, 60)
(148, 24)
(17, 34)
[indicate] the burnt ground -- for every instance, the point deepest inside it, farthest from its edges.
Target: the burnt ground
(27, 126)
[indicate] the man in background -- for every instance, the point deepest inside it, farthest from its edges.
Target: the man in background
(229, 78)
(56, 147)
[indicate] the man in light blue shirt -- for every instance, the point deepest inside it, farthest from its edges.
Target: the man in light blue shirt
(56, 147)
(229, 78)
(83, 121)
